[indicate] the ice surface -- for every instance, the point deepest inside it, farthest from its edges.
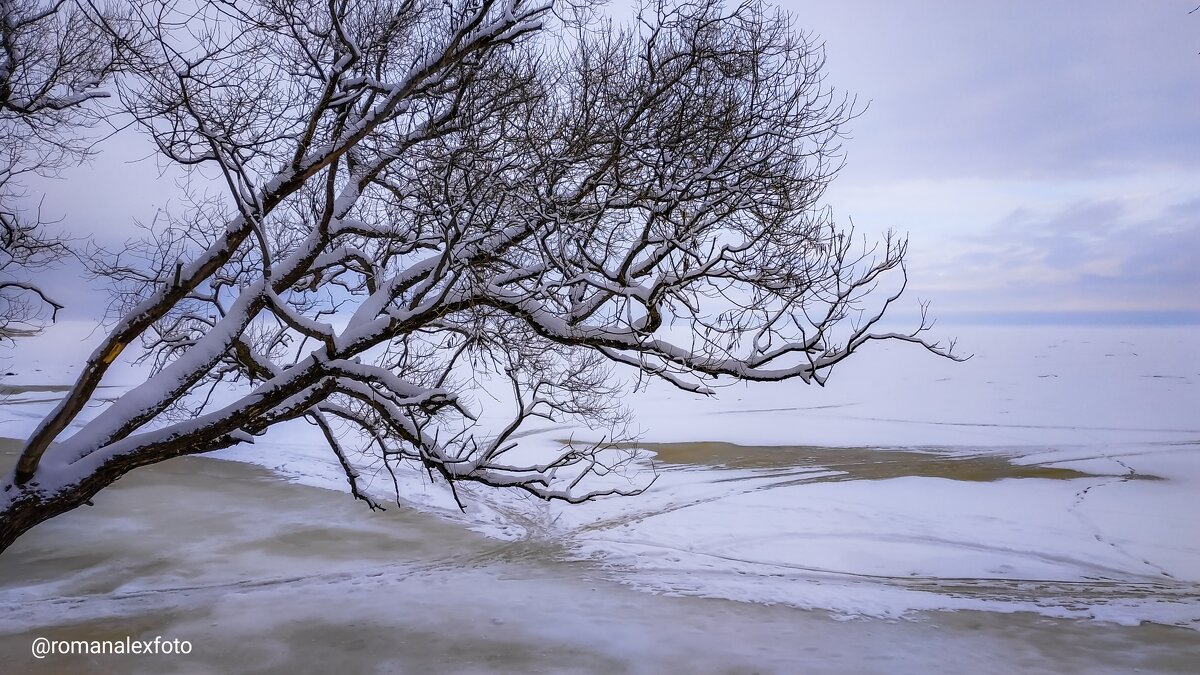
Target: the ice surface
(263, 576)
(1099, 525)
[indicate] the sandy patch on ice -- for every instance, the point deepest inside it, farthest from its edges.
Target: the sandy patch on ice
(858, 463)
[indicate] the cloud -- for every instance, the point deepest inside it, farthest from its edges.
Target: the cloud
(1042, 156)
(1024, 90)
(1090, 255)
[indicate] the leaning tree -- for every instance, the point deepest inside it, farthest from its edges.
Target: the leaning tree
(418, 190)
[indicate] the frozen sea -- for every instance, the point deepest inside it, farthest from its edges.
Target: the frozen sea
(1030, 510)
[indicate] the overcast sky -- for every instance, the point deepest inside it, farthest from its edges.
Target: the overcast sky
(1042, 156)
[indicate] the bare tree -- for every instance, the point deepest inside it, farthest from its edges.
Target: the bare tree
(420, 191)
(53, 60)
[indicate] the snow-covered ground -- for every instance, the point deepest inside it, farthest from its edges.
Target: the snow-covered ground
(265, 576)
(1056, 472)
(897, 528)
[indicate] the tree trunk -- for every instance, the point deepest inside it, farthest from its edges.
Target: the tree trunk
(32, 508)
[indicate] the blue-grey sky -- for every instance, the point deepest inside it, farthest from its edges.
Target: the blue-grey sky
(1042, 156)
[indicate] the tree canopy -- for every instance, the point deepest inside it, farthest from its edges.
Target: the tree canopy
(419, 192)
